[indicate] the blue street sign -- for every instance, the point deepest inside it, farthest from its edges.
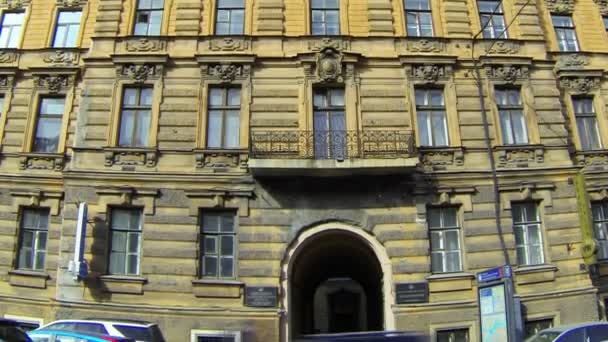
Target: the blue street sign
(494, 274)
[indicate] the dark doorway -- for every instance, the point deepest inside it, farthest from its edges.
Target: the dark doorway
(335, 286)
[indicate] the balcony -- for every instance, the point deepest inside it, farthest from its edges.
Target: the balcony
(331, 153)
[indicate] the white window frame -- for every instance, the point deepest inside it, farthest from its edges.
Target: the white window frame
(430, 111)
(225, 108)
(34, 249)
(149, 12)
(69, 26)
(571, 28)
(442, 230)
(129, 233)
(586, 139)
(509, 110)
(526, 245)
(236, 334)
(230, 11)
(217, 236)
(491, 31)
(11, 29)
(600, 228)
(418, 14)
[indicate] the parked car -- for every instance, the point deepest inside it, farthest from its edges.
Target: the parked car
(139, 331)
(10, 331)
(580, 332)
(41, 335)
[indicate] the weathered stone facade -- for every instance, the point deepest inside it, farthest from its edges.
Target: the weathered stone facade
(276, 193)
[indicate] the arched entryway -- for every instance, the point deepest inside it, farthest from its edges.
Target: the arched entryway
(336, 278)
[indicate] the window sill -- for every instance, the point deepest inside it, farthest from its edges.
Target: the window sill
(123, 284)
(519, 155)
(217, 288)
(130, 156)
(27, 278)
(441, 157)
(221, 158)
(41, 161)
(447, 282)
(534, 274)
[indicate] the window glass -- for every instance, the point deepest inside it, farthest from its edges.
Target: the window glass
(230, 17)
(431, 117)
(135, 117)
(445, 239)
(325, 17)
(492, 19)
(67, 28)
(586, 123)
(329, 124)
(565, 32)
(125, 226)
(600, 225)
(148, 17)
(10, 32)
(456, 335)
(528, 233)
(224, 117)
(218, 242)
(32, 244)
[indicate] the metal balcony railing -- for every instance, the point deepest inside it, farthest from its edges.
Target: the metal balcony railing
(338, 145)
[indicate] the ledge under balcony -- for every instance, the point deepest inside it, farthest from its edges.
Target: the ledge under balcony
(331, 153)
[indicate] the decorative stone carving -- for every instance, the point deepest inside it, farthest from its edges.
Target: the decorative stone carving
(329, 66)
(579, 85)
(42, 162)
(336, 44)
(441, 158)
(140, 72)
(502, 47)
(60, 57)
(592, 158)
(603, 5)
(71, 3)
(425, 45)
(53, 83)
(572, 61)
(226, 72)
(6, 81)
(221, 160)
(131, 158)
(520, 156)
(145, 45)
(8, 57)
(429, 73)
(507, 73)
(13, 4)
(228, 44)
(560, 6)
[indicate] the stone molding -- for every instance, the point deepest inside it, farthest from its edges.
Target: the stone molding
(596, 158)
(579, 84)
(229, 44)
(130, 157)
(454, 196)
(329, 66)
(126, 196)
(221, 198)
(14, 4)
(54, 83)
(560, 6)
(572, 61)
(7, 81)
(221, 159)
(425, 45)
(502, 47)
(226, 73)
(336, 44)
(512, 156)
(147, 44)
(441, 158)
(139, 73)
(42, 161)
(61, 57)
(508, 74)
(71, 3)
(8, 56)
(36, 198)
(526, 191)
(123, 284)
(603, 6)
(27, 278)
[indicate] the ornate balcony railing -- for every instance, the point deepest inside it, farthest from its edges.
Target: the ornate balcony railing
(331, 144)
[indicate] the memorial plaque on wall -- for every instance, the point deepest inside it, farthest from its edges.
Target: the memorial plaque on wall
(410, 293)
(261, 297)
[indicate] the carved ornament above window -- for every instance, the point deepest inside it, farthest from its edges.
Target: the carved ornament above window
(502, 47)
(512, 156)
(131, 157)
(441, 158)
(336, 44)
(603, 5)
(54, 83)
(329, 66)
(425, 45)
(8, 57)
(71, 3)
(145, 45)
(140, 73)
(14, 4)
(572, 61)
(229, 44)
(430, 73)
(560, 6)
(6, 81)
(42, 161)
(507, 73)
(61, 57)
(579, 84)
(226, 73)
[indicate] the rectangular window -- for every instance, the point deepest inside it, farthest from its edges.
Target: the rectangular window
(135, 116)
(218, 244)
(528, 234)
(66, 29)
(600, 225)
(512, 119)
(605, 19)
(325, 17)
(10, 34)
(565, 31)
(223, 129)
(215, 336)
(492, 19)
(454, 335)
(32, 244)
(418, 18)
(532, 328)
(148, 17)
(125, 231)
(445, 240)
(329, 123)
(48, 126)
(230, 17)
(586, 123)
(431, 115)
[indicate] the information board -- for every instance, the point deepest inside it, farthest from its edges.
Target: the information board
(409, 293)
(493, 308)
(261, 297)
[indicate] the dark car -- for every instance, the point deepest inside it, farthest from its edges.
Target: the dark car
(371, 336)
(10, 331)
(580, 332)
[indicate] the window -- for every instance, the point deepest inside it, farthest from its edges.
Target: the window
(224, 118)
(600, 225)
(230, 17)
(605, 19)
(32, 245)
(528, 235)
(325, 16)
(125, 233)
(215, 336)
(218, 244)
(418, 18)
(432, 122)
(10, 34)
(512, 119)
(566, 34)
(586, 123)
(532, 328)
(455, 335)
(135, 117)
(148, 17)
(445, 240)
(329, 123)
(66, 29)
(492, 19)
(48, 127)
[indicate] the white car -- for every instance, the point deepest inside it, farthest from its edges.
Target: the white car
(140, 331)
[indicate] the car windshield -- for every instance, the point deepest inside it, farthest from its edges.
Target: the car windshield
(12, 334)
(148, 334)
(547, 336)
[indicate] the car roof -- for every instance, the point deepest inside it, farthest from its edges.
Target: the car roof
(6, 321)
(104, 321)
(95, 337)
(566, 327)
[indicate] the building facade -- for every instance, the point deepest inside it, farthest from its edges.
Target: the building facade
(319, 151)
